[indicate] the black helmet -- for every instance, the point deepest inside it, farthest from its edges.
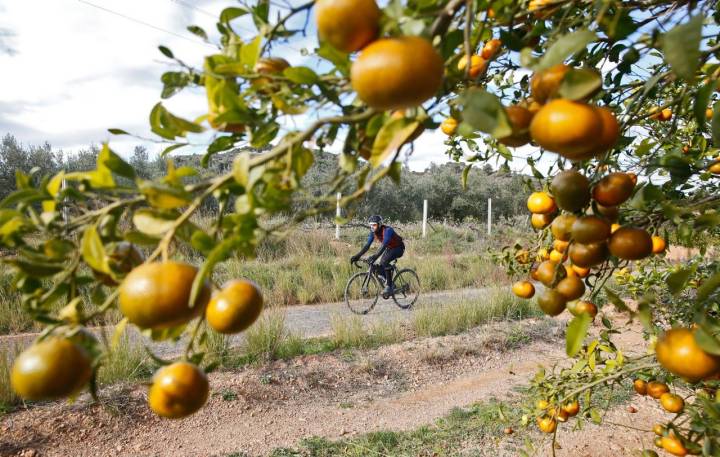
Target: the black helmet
(375, 219)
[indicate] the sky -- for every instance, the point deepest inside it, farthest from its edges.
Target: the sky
(83, 66)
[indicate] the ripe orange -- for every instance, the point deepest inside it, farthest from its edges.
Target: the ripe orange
(546, 272)
(552, 302)
(659, 429)
(610, 129)
(588, 255)
(587, 308)
(666, 114)
(395, 73)
(580, 271)
(590, 229)
(478, 65)
(571, 129)
(715, 168)
(546, 424)
(630, 243)
(655, 389)
(571, 288)
(613, 189)
(557, 256)
(709, 114)
(640, 386)
(348, 25)
(546, 83)
(533, 273)
(673, 445)
(571, 408)
(491, 48)
(522, 256)
(157, 295)
(561, 246)
(541, 203)
(677, 352)
(270, 65)
(569, 271)
(540, 221)
(542, 404)
(658, 245)
(520, 118)
(614, 228)
(449, 126)
(235, 308)
(562, 226)
(53, 368)
(523, 289)
(571, 190)
(178, 390)
(672, 403)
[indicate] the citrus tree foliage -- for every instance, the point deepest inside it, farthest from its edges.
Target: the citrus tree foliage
(611, 106)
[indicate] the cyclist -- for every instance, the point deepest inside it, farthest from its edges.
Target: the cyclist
(392, 247)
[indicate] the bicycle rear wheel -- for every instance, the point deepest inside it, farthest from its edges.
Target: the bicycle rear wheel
(362, 292)
(406, 288)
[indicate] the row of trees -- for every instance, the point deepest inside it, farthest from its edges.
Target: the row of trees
(403, 201)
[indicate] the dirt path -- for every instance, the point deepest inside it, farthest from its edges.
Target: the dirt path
(254, 410)
(304, 320)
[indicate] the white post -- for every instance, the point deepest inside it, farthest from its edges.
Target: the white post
(424, 226)
(489, 214)
(337, 214)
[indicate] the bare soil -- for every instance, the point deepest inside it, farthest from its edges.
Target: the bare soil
(257, 409)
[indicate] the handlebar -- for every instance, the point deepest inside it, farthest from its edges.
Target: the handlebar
(356, 263)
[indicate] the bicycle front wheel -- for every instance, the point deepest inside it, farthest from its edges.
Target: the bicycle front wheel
(406, 288)
(362, 292)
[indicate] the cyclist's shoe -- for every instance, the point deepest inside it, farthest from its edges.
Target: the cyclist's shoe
(388, 292)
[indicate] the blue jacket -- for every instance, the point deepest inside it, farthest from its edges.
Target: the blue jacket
(386, 236)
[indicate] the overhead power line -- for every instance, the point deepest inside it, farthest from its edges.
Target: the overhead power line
(146, 24)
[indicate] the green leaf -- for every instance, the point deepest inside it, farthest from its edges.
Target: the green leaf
(166, 52)
(118, 132)
(171, 148)
(241, 169)
(218, 254)
(164, 196)
(250, 52)
(202, 241)
(93, 251)
(38, 268)
(576, 332)
(118, 333)
(702, 100)
(169, 126)
(338, 58)
(198, 31)
(484, 111)
(564, 47)
(595, 416)
(115, 163)
(302, 160)
(708, 287)
(152, 222)
(395, 172)
(580, 83)
(617, 301)
(301, 75)
(706, 340)
(681, 47)
(228, 14)
(265, 134)
(677, 281)
(391, 136)
(465, 173)
(715, 124)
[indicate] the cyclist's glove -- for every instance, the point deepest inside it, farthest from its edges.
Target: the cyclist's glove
(372, 258)
(354, 259)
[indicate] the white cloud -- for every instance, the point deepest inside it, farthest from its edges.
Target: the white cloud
(83, 66)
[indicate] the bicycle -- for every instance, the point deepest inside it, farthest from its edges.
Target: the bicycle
(363, 289)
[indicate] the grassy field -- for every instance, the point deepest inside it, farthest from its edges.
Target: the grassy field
(310, 266)
(269, 339)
